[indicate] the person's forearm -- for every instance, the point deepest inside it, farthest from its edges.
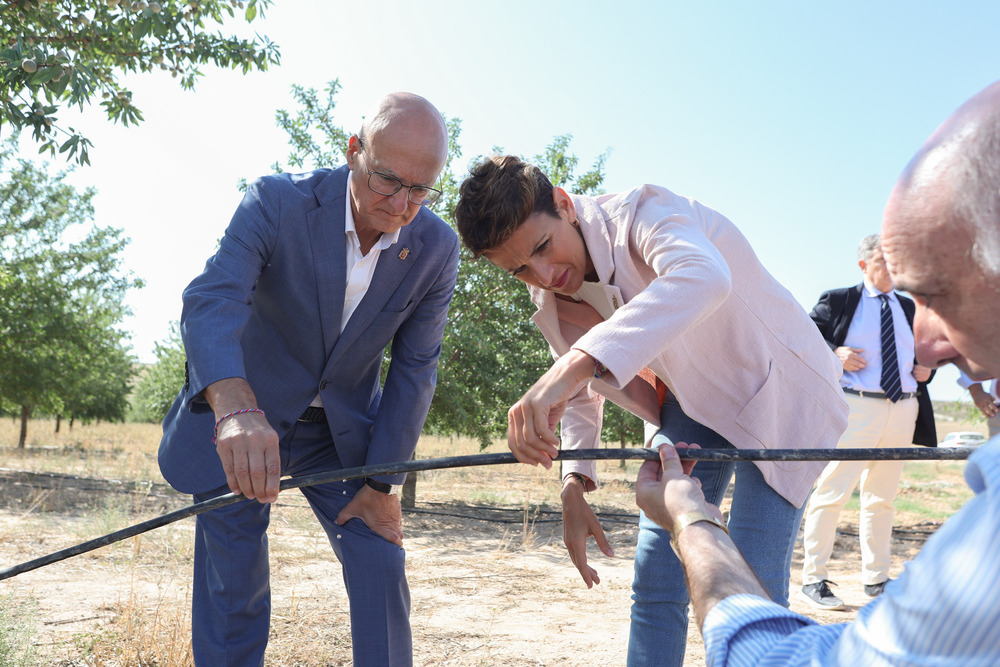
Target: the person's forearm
(714, 568)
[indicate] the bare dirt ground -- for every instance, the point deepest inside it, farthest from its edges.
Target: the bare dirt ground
(490, 581)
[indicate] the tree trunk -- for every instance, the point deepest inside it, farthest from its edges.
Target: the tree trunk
(621, 442)
(408, 497)
(58, 422)
(25, 414)
(408, 494)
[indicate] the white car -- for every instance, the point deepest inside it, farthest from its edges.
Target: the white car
(963, 439)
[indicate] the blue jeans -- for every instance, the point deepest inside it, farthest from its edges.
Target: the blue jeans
(231, 600)
(762, 524)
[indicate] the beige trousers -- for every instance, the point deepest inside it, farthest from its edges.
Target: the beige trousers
(873, 422)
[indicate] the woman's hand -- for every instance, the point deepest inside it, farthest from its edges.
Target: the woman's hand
(580, 523)
(531, 422)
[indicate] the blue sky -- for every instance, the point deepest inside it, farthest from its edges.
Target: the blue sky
(791, 118)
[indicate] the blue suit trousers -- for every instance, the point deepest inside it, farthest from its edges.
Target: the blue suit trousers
(231, 600)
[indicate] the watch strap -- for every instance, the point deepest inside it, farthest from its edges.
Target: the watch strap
(379, 486)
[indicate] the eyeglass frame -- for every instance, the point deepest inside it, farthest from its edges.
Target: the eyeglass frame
(399, 184)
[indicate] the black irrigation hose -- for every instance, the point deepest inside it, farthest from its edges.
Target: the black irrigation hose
(903, 454)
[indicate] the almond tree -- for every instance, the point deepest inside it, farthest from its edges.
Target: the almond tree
(61, 299)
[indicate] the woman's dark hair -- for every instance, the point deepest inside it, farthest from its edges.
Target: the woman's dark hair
(501, 192)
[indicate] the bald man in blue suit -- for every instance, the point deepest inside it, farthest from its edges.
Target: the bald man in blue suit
(284, 333)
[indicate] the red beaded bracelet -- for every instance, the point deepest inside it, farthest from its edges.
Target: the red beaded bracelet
(232, 414)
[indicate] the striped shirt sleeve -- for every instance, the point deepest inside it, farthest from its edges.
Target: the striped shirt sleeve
(941, 611)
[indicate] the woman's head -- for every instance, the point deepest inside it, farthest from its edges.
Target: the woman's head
(509, 213)
(501, 192)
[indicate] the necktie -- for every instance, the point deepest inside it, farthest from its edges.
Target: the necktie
(890, 365)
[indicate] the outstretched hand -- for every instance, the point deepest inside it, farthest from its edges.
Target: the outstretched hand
(531, 422)
(664, 489)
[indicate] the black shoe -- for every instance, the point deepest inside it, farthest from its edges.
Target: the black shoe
(819, 596)
(875, 590)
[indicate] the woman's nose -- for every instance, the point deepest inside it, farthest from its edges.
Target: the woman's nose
(544, 272)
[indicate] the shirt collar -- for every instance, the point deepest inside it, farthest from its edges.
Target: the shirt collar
(870, 290)
(351, 230)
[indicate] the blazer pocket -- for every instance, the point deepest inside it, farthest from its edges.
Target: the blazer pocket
(784, 415)
(391, 318)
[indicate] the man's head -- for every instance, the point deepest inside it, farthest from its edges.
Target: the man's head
(941, 239)
(872, 264)
(405, 139)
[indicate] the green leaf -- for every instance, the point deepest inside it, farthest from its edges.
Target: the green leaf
(59, 87)
(141, 28)
(43, 75)
(72, 141)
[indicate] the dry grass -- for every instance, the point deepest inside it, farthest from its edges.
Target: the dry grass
(490, 580)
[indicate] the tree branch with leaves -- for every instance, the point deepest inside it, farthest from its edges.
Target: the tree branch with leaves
(59, 53)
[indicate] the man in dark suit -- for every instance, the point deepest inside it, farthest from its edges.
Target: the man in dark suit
(889, 407)
(284, 334)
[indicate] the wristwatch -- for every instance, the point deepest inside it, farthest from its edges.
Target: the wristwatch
(388, 489)
(685, 520)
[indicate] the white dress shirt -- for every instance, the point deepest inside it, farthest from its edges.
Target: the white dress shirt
(865, 332)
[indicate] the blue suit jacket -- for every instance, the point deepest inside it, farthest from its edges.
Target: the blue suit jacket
(268, 308)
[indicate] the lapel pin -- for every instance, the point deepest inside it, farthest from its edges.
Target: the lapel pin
(403, 253)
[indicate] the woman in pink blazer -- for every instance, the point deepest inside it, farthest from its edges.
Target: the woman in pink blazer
(659, 304)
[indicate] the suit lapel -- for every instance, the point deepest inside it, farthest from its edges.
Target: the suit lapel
(852, 297)
(909, 309)
(327, 239)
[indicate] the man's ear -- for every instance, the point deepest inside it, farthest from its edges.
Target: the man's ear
(353, 148)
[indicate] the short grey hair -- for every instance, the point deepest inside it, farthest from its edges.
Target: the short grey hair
(868, 245)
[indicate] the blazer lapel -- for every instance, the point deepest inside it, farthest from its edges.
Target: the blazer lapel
(329, 253)
(852, 297)
(594, 226)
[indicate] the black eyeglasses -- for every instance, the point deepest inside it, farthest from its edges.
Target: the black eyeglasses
(386, 185)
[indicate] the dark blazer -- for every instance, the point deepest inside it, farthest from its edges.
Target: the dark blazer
(833, 314)
(268, 308)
